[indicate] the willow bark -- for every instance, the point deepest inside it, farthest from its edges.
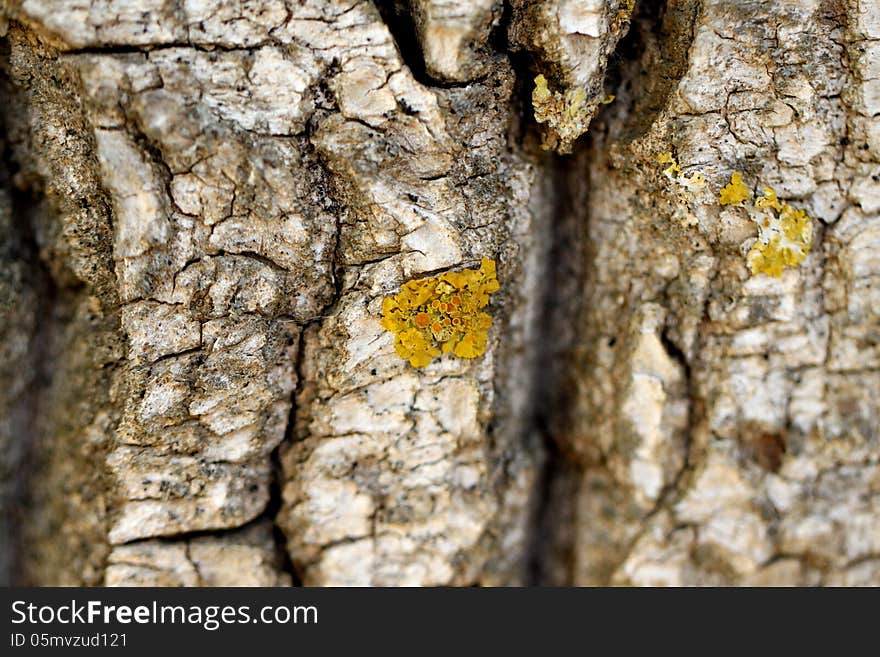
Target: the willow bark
(205, 203)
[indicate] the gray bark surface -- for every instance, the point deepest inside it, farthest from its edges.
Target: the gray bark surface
(204, 204)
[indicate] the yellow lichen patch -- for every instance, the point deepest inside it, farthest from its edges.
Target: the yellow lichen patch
(673, 170)
(567, 115)
(784, 236)
(735, 192)
(441, 315)
(624, 14)
(694, 182)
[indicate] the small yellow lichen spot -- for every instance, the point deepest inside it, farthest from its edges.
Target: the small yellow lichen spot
(542, 92)
(694, 182)
(623, 14)
(687, 186)
(441, 315)
(785, 236)
(735, 192)
(567, 116)
(673, 170)
(769, 200)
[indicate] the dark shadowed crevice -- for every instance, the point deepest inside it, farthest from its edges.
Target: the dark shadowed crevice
(550, 547)
(28, 297)
(562, 295)
(643, 71)
(651, 59)
(274, 508)
(218, 532)
(276, 484)
(547, 265)
(31, 408)
(694, 415)
(397, 16)
(76, 341)
(560, 218)
(524, 132)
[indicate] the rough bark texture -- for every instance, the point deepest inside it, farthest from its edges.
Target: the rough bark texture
(204, 203)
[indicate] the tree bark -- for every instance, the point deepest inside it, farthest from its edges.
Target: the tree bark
(205, 203)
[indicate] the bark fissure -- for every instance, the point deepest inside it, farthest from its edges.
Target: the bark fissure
(28, 300)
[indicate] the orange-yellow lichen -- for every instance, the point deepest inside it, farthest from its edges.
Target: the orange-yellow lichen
(441, 315)
(784, 239)
(735, 192)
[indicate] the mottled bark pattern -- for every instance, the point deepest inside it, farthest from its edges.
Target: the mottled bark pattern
(726, 424)
(205, 202)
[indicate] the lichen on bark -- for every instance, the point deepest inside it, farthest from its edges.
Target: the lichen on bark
(206, 204)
